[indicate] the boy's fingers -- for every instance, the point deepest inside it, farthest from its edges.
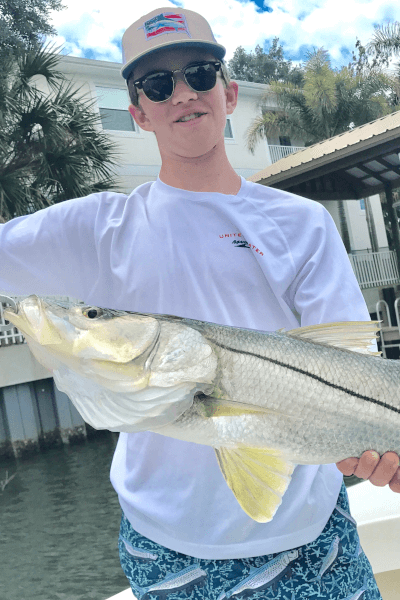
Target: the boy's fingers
(385, 470)
(367, 464)
(347, 466)
(380, 471)
(395, 482)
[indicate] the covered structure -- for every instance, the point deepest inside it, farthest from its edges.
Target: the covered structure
(350, 166)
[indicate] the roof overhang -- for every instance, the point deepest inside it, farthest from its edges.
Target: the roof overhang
(352, 165)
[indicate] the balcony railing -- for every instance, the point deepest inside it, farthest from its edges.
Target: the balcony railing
(374, 269)
(278, 152)
(9, 337)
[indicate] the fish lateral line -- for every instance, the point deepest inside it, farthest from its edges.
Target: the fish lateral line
(311, 375)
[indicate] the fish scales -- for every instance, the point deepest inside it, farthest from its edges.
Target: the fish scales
(325, 401)
(264, 401)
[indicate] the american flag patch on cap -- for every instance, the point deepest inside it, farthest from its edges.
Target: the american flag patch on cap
(167, 22)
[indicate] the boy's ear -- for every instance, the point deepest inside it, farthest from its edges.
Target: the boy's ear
(231, 92)
(139, 116)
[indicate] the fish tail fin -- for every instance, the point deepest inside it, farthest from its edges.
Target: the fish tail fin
(258, 477)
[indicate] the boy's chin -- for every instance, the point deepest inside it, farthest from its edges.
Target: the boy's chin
(196, 149)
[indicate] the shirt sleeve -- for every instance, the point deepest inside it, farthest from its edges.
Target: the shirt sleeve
(49, 252)
(325, 288)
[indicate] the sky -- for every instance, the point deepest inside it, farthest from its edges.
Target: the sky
(93, 28)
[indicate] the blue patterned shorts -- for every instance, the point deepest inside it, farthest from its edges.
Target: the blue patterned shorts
(332, 567)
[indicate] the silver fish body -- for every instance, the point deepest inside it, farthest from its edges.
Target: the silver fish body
(264, 401)
(324, 403)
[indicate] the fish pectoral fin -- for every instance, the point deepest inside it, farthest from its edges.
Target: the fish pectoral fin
(210, 406)
(258, 477)
(357, 336)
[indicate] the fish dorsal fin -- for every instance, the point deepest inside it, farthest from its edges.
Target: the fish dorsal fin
(357, 336)
(258, 477)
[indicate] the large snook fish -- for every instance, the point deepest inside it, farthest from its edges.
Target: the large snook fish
(264, 401)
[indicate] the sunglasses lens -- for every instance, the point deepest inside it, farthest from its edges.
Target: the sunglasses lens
(201, 78)
(158, 86)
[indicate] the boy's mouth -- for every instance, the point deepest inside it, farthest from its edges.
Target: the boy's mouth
(191, 117)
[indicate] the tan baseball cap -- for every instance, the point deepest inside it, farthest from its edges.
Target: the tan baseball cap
(166, 28)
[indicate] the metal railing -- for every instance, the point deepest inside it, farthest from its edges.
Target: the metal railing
(278, 152)
(375, 269)
(388, 332)
(12, 336)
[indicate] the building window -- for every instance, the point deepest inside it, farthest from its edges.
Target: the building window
(362, 204)
(228, 129)
(284, 140)
(113, 105)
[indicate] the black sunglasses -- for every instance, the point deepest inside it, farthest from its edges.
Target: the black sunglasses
(159, 85)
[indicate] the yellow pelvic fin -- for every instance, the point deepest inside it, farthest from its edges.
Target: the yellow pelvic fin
(258, 477)
(357, 336)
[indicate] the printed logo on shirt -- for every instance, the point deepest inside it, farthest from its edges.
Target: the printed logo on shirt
(166, 22)
(242, 243)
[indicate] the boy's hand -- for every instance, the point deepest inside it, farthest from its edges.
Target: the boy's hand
(378, 470)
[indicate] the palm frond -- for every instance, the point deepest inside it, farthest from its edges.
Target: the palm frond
(327, 104)
(386, 40)
(262, 126)
(320, 91)
(52, 145)
(272, 123)
(285, 94)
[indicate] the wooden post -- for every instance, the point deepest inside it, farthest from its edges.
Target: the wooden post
(371, 225)
(394, 222)
(344, 230)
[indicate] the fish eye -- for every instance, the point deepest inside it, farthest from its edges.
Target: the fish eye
(92, 312)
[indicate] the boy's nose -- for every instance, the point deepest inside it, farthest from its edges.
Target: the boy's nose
(182, 92)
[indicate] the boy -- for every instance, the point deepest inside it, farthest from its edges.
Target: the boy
(163, 249)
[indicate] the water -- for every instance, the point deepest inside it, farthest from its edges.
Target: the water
(59, 523)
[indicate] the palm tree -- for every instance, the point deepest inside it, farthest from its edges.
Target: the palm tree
(385, 43)
(386, 40)
(52, 147)
(328, 103)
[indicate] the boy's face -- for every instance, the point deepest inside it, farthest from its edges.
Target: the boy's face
(191, 139)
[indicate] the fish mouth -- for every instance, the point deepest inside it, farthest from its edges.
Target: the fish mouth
(29, 316)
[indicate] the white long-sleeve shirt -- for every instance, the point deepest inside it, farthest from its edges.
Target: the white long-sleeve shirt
(248, 260)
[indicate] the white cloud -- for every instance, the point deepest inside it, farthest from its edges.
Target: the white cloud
(97, 25)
